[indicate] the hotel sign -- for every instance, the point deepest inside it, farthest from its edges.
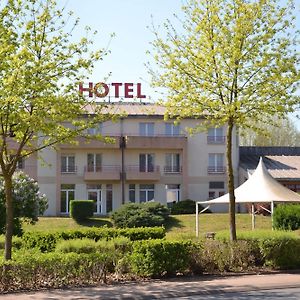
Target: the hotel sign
(115, 90)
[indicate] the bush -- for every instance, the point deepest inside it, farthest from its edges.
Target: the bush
(28, 272)
(77, 246)
(81, 210)
(156, 258)
(27, 200)
(287, 217)
(147, 214)
(283, 253)
(46, 241)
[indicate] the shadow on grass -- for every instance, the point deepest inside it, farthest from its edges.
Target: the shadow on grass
(173, 222)
(95, 222)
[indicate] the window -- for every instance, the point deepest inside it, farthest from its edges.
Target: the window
(67, 193)
(21, 163)
(172, 193)
(68, 164)
(172, 163)
(211, 195)
(146, 162)
(216, 163)
(109, 198)
(95, 130)
(94, 162)
(215, 136)
(132, 193)
(216, 184)
(172, 129)
(146, 192)
(94, 193)
(146, 129)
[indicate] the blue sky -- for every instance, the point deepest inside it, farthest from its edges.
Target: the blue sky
(128, 19)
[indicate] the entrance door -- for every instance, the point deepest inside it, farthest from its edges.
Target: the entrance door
(95, 195)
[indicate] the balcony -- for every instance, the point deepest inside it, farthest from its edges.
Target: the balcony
(102, 173)
(84, 143)
(216, 140)
(172, 169)
(69, 169)
(156, 142)
(137, 173)
(216, 170)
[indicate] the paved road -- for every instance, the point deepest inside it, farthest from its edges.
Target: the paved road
(271, 286)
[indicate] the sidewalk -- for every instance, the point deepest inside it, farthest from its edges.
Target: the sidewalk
(173, 288)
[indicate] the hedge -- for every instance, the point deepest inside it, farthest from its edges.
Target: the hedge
(287, 217)
(155, 258)
(53, 270)
(147, 258)
(81, 210)
(46, 241)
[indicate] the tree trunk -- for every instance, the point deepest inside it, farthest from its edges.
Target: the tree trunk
(9, 216)
(230, 181)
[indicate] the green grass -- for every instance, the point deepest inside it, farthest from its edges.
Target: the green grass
(178, 227)
(183, 226)
(65, 223)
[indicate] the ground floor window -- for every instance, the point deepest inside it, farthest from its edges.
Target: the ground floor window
(94, 193)
(132, 193)
(109, 198)
(67, 193)
(172, 193)
(216, 189)
(146, 192)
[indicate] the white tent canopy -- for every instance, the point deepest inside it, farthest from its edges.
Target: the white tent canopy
(261, 187)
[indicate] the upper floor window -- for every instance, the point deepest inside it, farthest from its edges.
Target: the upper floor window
(146, 162)
(94, 162)
(146, 129)
(172, 163)
(216, 163)
(68, 164)
(95, 130)
(172, 129)
(215, 136)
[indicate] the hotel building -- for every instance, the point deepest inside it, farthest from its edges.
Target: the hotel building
(149, 159)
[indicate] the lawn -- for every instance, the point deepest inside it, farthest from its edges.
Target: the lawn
(179, 226)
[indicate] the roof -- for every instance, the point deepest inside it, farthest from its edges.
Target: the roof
(261, 187)
(281, 162)
(132, 109)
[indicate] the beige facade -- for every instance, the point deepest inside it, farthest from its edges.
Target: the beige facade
(149, 159)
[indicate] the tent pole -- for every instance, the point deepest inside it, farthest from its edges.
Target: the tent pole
(272, 211)
(197, 220)
(253, 216)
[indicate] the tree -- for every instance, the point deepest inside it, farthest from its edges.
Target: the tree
(40, 68)
(233, 63)
(27, 200)
(279, 132)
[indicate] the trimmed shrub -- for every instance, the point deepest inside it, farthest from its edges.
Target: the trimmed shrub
(16, 242)
(185, 207)
(147, 214)
(46, 241)
(81, 210)
(53, 270)
(77, 246)
(287, 217)
(283, 253)
(156, 258)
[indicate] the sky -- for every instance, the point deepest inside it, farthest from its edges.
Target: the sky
(129, 21)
